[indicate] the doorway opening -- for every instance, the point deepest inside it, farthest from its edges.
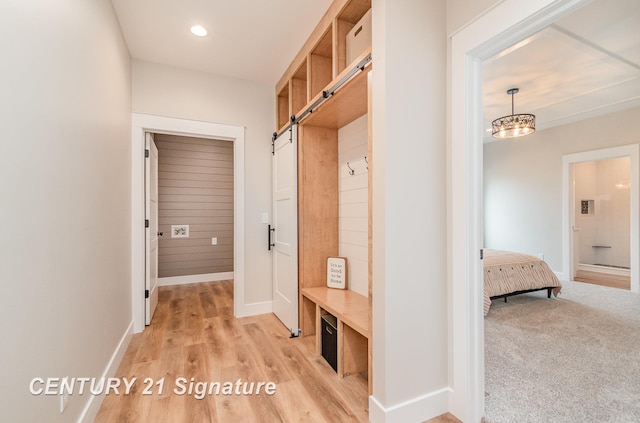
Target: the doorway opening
(601, 232)
(195, 209)
(142, 124)
(501, 27)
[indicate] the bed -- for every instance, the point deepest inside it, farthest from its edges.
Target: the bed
(507, 273)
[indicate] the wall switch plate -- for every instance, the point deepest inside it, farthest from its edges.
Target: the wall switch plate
(265, 217)
(214, 241)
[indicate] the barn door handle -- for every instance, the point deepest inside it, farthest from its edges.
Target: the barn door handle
(270, 229)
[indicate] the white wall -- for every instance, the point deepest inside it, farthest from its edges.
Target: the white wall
(410, 354)
(354, 202)
(174, 92)
(523, 182)
(461, 12)
(65, 171)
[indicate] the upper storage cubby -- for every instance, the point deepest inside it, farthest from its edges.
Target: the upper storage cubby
(299, 89)
(320, 64)
(352, 33)
(282, 107)
(342, 36)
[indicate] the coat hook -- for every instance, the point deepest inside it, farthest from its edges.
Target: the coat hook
(351, 171)
(367, 161)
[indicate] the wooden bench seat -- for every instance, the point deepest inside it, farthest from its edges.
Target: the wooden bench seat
(352, 313)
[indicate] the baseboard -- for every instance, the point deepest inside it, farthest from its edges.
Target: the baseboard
(90, 410)
(604, 269)
(206, 277)
(419, 409)
(254, 309)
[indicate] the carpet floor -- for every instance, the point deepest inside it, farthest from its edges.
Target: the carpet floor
(575, 358)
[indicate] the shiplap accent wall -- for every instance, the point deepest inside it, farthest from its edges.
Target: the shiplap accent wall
(354, 203)
(195, 187)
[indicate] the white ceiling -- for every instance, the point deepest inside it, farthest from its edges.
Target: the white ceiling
(584, 65)
(248, 39)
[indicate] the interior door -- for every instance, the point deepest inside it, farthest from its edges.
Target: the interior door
(284, 233)
(151, 232)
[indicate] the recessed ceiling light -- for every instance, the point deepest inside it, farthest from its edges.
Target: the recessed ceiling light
(198, 30)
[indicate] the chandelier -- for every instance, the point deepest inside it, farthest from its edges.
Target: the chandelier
(513, 125)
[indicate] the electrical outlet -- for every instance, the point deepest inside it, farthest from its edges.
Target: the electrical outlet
(265, 218)
(214, 241)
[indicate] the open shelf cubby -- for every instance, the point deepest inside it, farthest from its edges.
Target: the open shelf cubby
(283, 106)
(320, 64)
(299, 89)
(351, 15)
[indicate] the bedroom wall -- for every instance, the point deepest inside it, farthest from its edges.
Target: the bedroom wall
(173, 92)
(523, 182)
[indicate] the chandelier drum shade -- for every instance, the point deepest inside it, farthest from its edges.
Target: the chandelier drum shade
(513, 125)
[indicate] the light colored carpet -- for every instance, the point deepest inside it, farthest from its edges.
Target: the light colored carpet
(575, 358)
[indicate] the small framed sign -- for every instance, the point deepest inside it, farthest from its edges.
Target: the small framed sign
(179, 231)
(337, 272)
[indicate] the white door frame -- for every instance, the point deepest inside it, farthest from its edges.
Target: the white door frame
(141, 123)
(500, 27)
(151, 232)
(633, 152)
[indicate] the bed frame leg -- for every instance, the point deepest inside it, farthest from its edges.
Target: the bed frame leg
(549, 292)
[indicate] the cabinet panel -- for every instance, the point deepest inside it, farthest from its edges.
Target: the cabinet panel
(317, 203)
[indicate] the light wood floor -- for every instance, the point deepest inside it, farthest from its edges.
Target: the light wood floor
(194, 335)
(596, 278)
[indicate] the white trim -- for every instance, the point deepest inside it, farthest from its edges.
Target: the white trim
(142, 123)
(604, 269)
(502, 26)
(560, 275)
(205, 277)
(415, 410)
(633, 152)
(90, 410)
(254, 309)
